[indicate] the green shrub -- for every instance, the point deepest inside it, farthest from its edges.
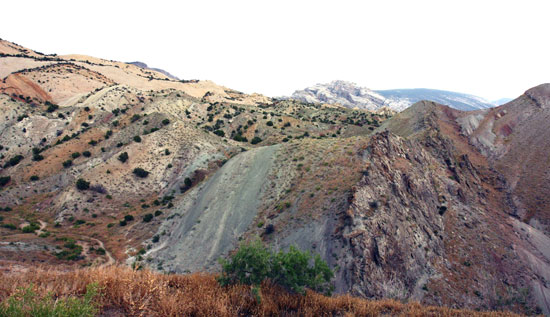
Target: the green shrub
(135, 118)
(87, 153)
(4, 180)
(67, 163)
(10, 226)
(269, 123)
(140, 172)
(73, 252)
(31, 228)
(295, 270)
(256, 140)
(128, 217)
(219, 133)
(75, 155)
(123, 157)
(82, 184)
(37, 157)
(14, 161)
(165, 122)
(147, 217)
(250, 265)
(52, 107)
(27, 303)
(238, 137)
(137, 138)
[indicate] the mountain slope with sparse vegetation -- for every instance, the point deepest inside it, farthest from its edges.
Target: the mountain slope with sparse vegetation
(104, 162)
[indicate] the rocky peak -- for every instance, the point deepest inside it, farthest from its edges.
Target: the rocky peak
(540, 95)
(345, 93)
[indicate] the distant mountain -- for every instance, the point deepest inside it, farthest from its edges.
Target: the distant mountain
(501, 101)
(162, 71)
(351, 95)
(344, 93)
(403, 98)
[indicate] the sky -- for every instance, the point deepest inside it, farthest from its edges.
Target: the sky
(492, 49)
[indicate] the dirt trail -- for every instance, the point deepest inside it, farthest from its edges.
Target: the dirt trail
(110, 259)
(86, 247)
(43, 226)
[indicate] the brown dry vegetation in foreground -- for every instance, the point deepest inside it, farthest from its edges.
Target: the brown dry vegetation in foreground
(146, 293)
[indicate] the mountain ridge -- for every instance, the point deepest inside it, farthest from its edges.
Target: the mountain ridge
(351, 95)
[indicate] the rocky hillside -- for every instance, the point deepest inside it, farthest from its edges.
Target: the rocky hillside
(352, 96)
(106, 162)
(135, 142)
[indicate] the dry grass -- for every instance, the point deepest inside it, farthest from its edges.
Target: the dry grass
(145, 293)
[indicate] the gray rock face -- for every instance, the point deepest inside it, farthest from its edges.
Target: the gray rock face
(210, 222)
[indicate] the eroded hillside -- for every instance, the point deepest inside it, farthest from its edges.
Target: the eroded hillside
(106, 162)
(140, 143)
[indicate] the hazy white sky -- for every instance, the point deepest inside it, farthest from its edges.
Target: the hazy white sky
(492, 49)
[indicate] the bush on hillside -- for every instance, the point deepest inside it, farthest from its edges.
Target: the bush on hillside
(37, 157)
(82, 184)
(67, 163)
(147, 217)
(4, 180)
(294, 270)
(123, 157)
(256, 140)
(140, 172)
(135, 118)
(14, 161)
